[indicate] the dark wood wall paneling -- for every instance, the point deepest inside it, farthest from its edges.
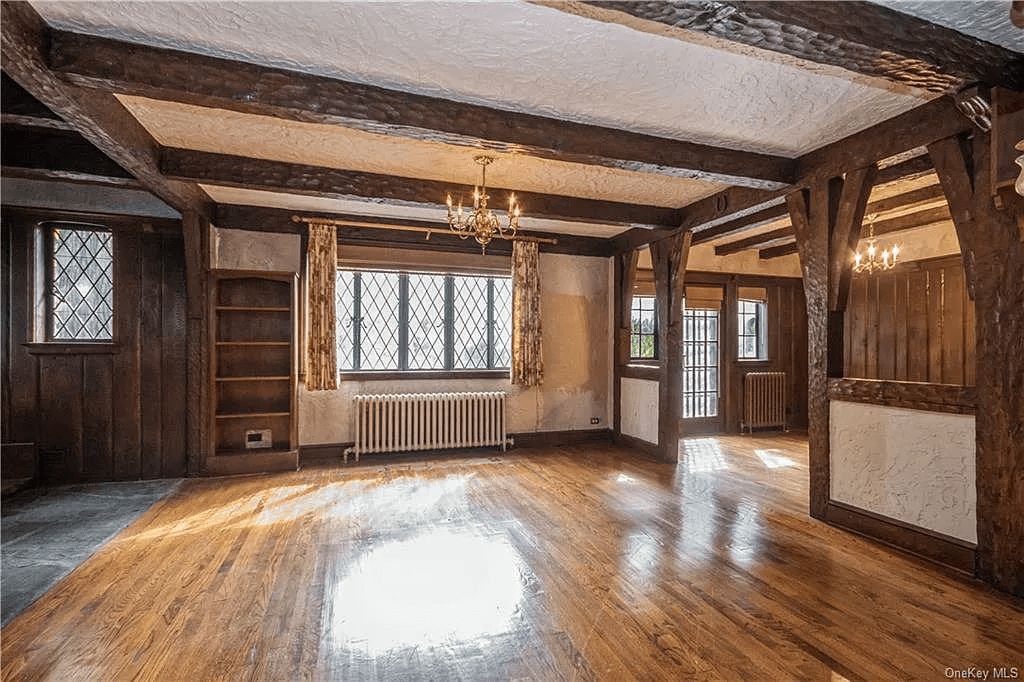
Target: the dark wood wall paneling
(787, 350)
(787, 347)
(102, 413)
(912, 324)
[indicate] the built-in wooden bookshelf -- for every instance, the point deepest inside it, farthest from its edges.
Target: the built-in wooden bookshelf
(254, 372)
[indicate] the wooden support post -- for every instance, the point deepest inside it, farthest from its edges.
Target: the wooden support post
(991, 247)
(808, 210)
(827, 219)
(625, 276)
(845, 231)
(196, 231)
(669, 256)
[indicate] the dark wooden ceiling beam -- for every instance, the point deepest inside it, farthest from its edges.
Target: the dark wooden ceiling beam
(55, 150)
(275, 176)
(897, 46)
(929, 216)
(932, 121)
(35, 122)
(909, 169)
(262, 219)
(779, 251)
(17, 101)
(913, 199)
(744, 224)
(857, 36)
(160, 73)
(755, 241)
(736, 202)
(98, 116)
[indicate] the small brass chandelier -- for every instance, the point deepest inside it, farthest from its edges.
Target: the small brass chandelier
(481, 223)
(872, 259)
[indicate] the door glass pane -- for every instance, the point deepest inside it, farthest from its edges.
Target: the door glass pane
(700, 362)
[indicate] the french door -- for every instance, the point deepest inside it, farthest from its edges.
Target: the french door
(701, 366)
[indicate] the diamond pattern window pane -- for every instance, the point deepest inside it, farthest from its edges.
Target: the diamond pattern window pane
(372, 307)
(344, 296)
(380, 303)
(426, 321)
(82, 291)
(469, 331)
(502, 323)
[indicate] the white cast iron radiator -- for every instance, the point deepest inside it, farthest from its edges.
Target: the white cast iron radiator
(764, 402)
(428, 421)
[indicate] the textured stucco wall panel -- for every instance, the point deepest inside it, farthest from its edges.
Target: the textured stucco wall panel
(910, 465)
(639, 408)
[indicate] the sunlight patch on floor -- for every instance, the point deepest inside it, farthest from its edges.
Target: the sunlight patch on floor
(441, 587)
(773, 460)
(701, 455)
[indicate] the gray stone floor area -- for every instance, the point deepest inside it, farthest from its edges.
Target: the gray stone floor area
(47, 532)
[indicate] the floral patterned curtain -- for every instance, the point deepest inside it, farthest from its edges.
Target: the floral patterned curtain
(527, 362)
(322, 266)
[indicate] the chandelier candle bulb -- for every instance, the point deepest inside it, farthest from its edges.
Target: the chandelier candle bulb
(886, 260)
(482, 224)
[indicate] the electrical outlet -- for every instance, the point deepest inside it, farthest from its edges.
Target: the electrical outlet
(595, 420)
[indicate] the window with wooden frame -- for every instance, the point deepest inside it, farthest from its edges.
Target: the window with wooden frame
(412, 321)
(643, 334)
(753, 335)
(76, 278)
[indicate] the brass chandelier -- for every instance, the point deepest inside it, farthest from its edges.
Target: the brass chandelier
(872, 259)
(481, 223)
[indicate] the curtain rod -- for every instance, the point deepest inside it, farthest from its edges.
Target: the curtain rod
(407, 228)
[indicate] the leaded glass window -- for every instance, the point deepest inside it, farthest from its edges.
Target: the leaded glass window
(412, 321)
(80, 295)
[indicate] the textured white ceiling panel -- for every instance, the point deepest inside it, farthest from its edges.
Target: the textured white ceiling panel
(321, 205)
(987, 20)
(519, 57)
(263, 137)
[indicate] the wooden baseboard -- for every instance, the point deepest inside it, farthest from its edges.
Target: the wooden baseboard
(327, 452)
(323, 452)
(649, 449)
(541, 439)
(927, 544)
(256, 463)
(19, 460)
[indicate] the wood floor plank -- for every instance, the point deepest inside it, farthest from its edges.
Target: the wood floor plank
(576, 563)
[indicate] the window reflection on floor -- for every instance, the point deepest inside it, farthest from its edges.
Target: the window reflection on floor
(773, 459)
(701, 455)
(438, 587)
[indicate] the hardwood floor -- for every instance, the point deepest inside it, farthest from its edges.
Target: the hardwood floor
(586, 563)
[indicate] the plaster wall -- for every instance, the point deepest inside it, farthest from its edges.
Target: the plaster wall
(245, 250)
(639, 407)
(909, 465)
(576, 327)
(702, 258)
